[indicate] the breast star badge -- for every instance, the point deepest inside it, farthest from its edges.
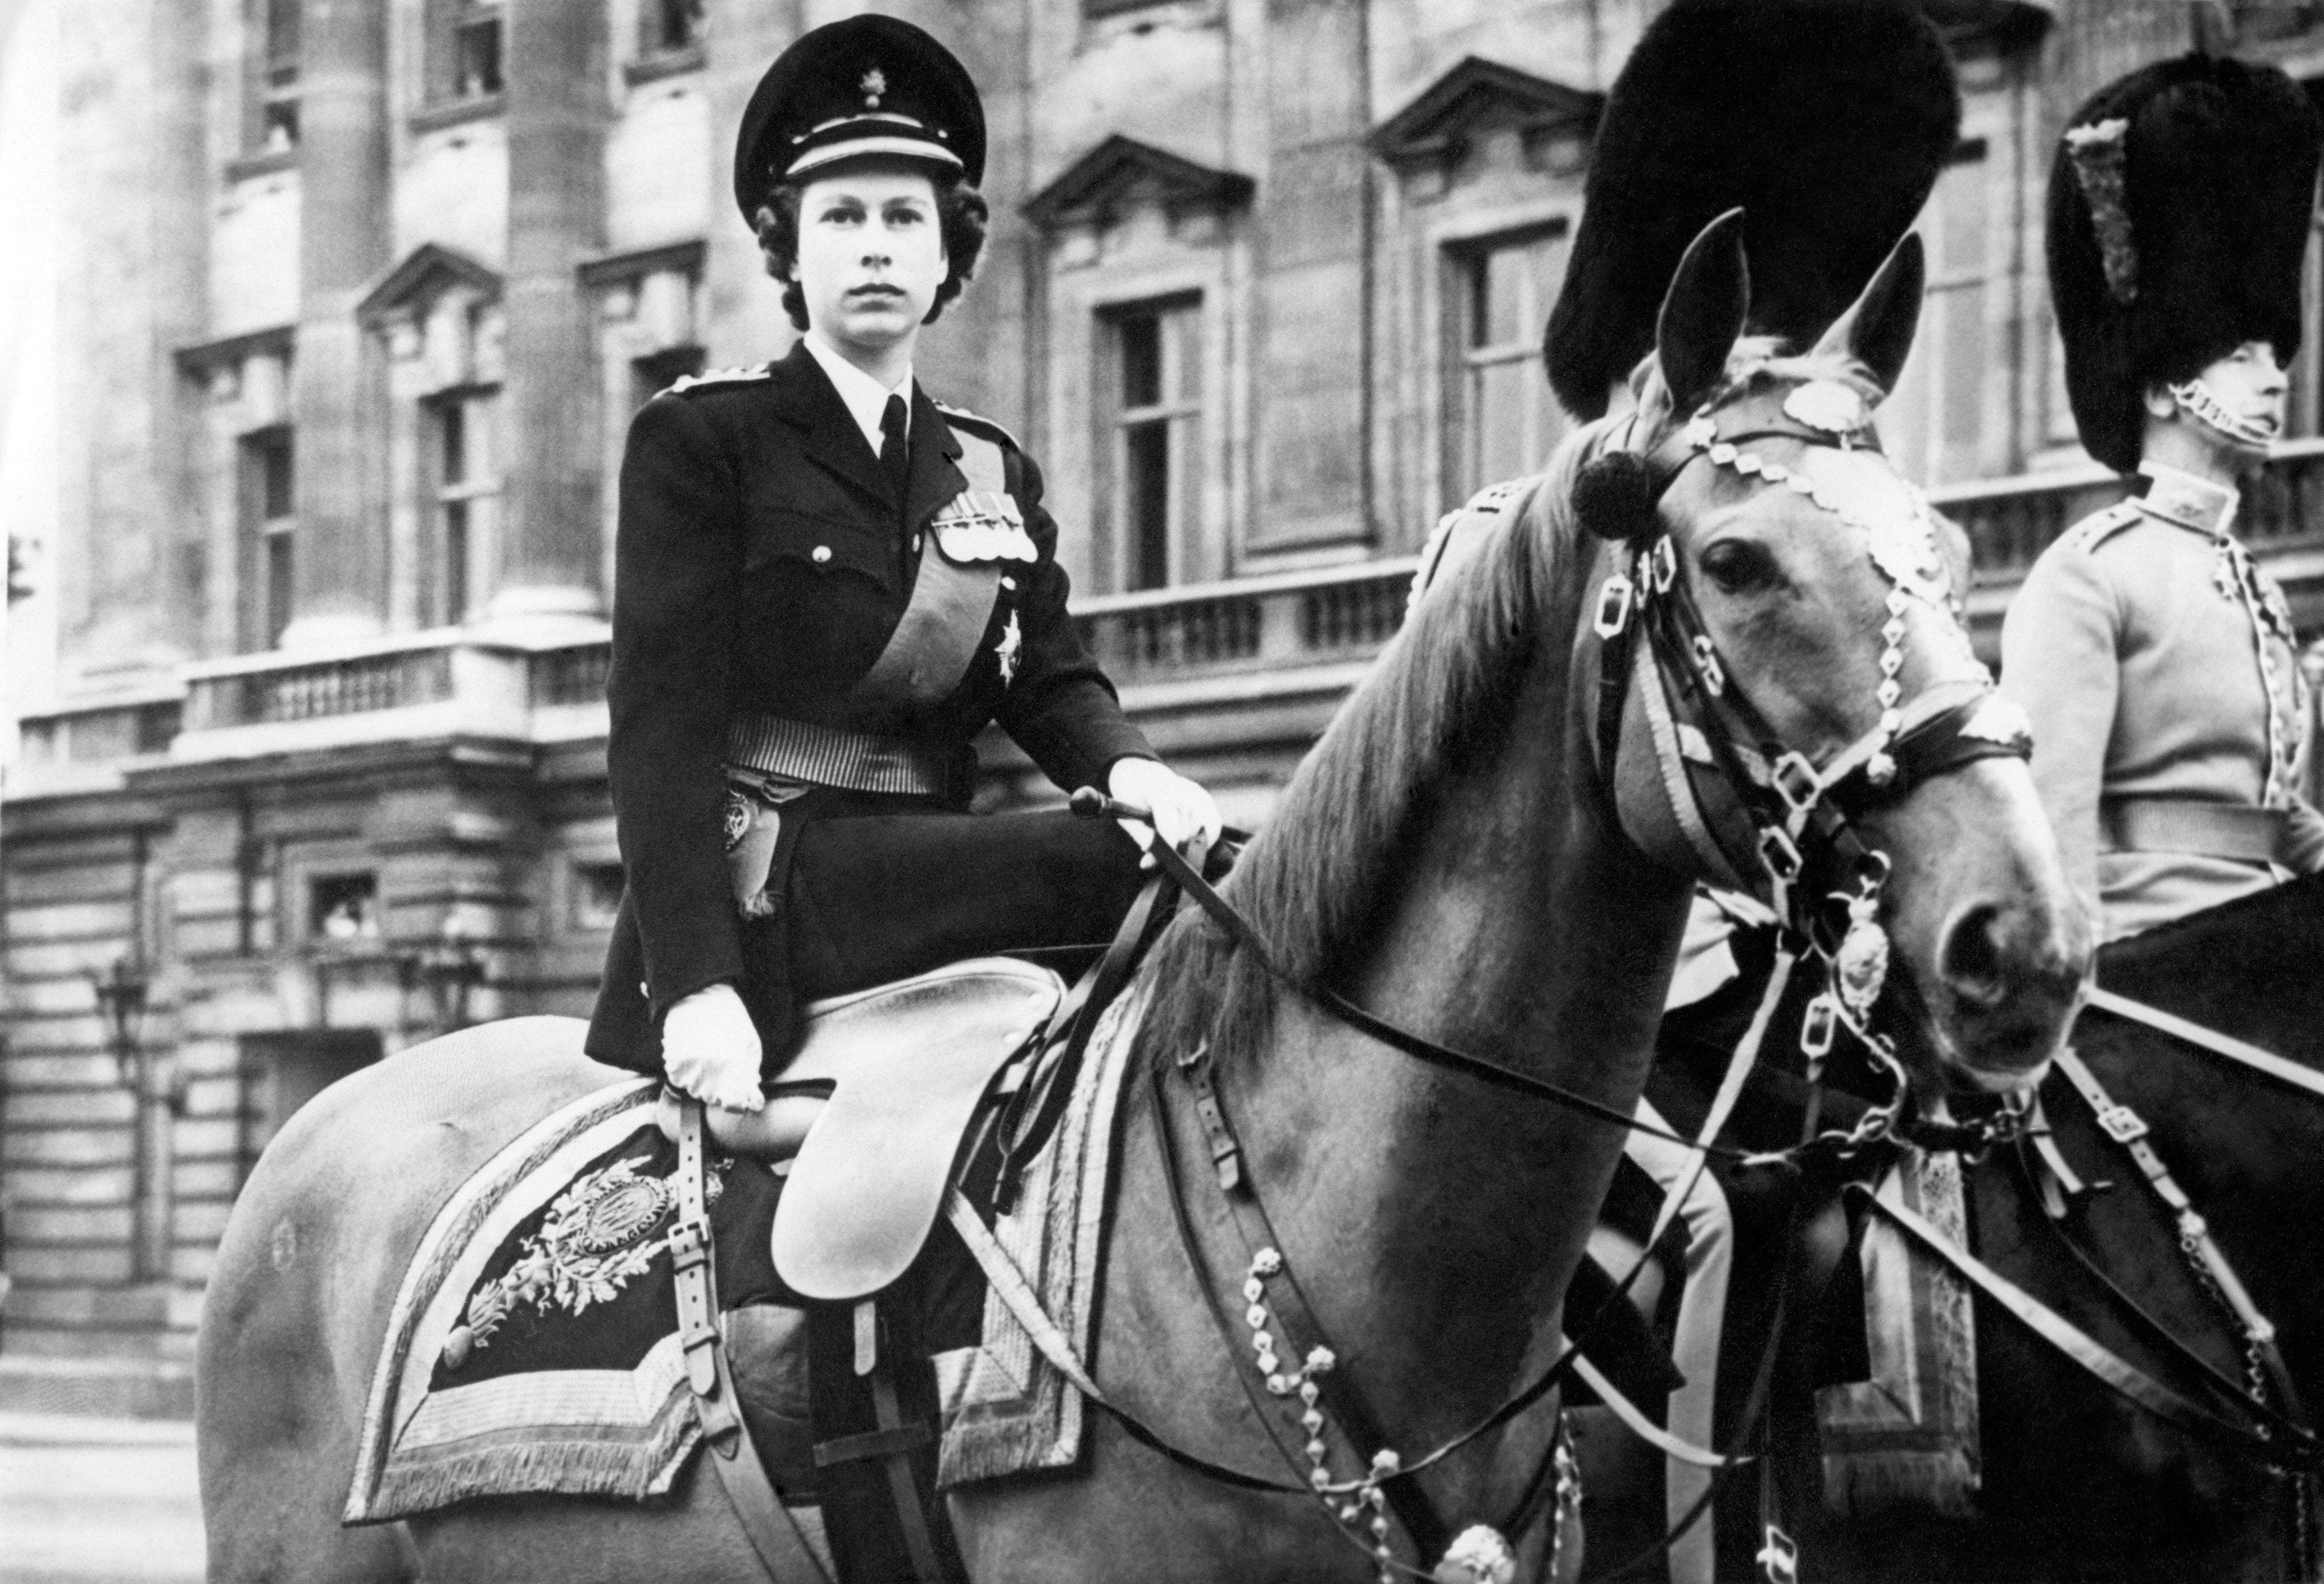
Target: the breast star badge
(1009, 649)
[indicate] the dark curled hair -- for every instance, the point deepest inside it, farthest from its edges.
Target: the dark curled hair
(961, 216)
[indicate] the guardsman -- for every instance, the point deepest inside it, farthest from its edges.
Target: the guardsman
(826, 585)
(2155, 656)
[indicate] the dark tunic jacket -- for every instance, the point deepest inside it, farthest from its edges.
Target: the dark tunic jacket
(761, 563)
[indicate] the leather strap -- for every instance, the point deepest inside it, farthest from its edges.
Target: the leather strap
(892, 1444)
(2219, 1044)
(2107, 1368)
(774, 1533)
(2244, 832)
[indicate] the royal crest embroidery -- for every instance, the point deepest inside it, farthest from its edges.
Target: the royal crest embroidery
(1009, 649)
(597, 1235)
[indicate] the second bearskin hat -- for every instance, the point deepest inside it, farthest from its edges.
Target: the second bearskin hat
(2179, 206)
(1827, 121)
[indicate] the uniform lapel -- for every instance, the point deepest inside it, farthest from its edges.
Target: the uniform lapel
(807, 400)
(934, 478)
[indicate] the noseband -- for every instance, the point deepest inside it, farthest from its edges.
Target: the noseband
(1755, 815)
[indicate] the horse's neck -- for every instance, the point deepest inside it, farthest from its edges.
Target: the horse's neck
(1524, 930)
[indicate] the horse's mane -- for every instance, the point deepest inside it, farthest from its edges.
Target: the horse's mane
(1439, 698)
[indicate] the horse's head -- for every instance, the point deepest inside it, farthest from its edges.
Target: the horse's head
(1801, 716)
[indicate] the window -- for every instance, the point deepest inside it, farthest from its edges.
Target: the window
(597, 895)
(1152, 391)
(1502, 419)
(1934, 423)
(271, 123)
(667, 27)
(2304, 408)
(467, 491)
(269, 516)
(464, 50)
(342, 906)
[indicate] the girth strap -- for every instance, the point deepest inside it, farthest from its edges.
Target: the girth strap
(774, 1533)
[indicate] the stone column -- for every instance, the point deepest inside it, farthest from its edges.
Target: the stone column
(555, 118)
(743, 317)
(133, 241)
(340, 557)
(1314, 280)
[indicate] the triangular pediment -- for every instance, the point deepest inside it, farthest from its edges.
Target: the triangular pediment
(1475, 95)
(1122, 172)
(426, 272)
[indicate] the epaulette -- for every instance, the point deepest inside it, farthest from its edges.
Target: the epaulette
(1491, 501)
(2094, 530)
(685, 382)
(977, 420)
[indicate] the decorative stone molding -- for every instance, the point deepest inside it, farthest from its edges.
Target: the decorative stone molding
(1435, 132)
(1122, 172)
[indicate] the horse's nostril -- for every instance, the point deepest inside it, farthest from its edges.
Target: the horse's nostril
(1969, 956)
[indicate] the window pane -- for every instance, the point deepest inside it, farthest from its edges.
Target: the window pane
(456, 561)
(277, 587)
(1960, 219)
(1962, 324)
(672, 24)
(1146, 502)
(1141, 360)
(478, 57)
(274, 470)
(283, 36)
(1183, 327)
(455, 442)
(1500, 288)
(1498, 419)
(1548, 255)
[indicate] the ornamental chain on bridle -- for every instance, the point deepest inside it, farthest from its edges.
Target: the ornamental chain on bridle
(1794, 806)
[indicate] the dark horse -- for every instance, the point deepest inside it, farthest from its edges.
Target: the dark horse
(1448, 857)
(2076, 1481)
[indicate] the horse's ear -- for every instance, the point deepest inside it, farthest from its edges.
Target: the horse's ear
(1877, 329)
(1704, 312)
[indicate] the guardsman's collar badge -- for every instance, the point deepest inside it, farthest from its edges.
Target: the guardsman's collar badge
(2178, 496)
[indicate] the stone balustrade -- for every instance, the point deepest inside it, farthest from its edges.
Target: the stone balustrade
(1247, 628)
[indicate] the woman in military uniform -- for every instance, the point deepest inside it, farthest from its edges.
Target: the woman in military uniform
(2155, 657)
(826, 585)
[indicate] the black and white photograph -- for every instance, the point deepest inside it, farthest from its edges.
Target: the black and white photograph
(1166, 791)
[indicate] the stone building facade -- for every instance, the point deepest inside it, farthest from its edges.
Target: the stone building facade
(359, 295)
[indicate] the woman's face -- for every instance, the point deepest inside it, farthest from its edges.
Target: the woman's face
(871, 256)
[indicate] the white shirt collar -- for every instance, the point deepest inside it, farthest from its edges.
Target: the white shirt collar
(866, 398)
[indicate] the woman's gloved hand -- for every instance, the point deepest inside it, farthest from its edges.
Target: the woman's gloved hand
(1181, 808)
(710, 1049)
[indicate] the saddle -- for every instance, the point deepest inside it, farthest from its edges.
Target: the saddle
(905, 1067)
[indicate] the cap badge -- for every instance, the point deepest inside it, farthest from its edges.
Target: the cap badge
(1828, 405)
(874, 84)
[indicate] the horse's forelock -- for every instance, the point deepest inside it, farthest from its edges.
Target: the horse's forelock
(1439, 697)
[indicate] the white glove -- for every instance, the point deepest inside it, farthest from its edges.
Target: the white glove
(1181, 808)
(710, 1049)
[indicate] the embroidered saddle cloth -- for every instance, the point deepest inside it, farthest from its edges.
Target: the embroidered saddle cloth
(533, 1346)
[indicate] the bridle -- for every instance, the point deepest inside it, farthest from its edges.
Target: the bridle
(1747, 812)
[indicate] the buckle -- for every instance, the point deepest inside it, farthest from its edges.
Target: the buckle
(1817, 1026)
(2122, 1124)
(688, 1247)
(1780, 853)
(1793, 771)
(1616, 596)
(1706, 660)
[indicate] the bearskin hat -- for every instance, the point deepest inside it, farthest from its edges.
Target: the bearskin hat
(1827, 121)
(2180, 205)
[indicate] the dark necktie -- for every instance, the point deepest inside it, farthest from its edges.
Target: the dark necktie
(895, 453)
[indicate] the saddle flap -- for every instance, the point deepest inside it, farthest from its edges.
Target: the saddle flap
(908, 1064)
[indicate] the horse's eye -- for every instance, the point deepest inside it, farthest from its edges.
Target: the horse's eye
(1741, 566)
